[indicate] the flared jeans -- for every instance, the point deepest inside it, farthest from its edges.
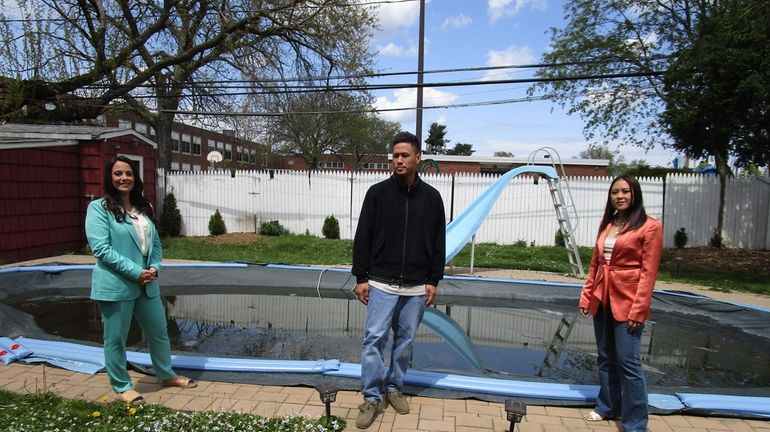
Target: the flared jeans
(622, 384)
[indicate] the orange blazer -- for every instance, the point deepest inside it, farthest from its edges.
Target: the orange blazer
(628, 280)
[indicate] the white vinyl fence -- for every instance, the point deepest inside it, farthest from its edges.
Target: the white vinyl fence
(301, 201)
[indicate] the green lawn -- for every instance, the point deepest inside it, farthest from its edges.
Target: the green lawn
(301, 249)
(47, 412)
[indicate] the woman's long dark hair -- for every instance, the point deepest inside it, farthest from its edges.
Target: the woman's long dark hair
(636, 214)
(111, 197)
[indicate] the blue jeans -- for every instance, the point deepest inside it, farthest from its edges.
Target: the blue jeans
(621, 378)
(384, 312)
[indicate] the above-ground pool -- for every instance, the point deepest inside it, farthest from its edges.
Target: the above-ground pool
(491, 329)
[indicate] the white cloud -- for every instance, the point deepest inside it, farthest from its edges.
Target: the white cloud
(394, 16)
(456, 22)
(505, 8)
(395, 50)
(510, 56)
(442, 119)
(407, 98)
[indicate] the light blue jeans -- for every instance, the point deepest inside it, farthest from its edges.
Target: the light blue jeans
(384, 312)
(622, 389)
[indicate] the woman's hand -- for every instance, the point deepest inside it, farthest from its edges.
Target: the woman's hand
(147, 276)
(583, 312)
(633, 325)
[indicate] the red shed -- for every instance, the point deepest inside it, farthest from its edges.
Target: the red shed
(49, 174)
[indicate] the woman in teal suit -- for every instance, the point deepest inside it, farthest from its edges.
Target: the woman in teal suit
(124, 282)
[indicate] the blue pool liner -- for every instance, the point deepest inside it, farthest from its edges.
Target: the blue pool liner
(89, 359)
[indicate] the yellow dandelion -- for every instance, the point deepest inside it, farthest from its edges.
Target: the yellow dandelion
(132, 410)
(104, 399)
(96, 414)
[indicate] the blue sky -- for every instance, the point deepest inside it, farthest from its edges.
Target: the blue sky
(476, 33)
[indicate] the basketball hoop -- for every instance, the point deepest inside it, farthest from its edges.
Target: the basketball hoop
(214, 157)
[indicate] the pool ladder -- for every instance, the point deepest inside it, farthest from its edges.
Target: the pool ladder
(553, 351)
(564, 205)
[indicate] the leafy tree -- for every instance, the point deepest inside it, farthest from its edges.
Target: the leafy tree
(436, 140)
(312, 124)
(598, 151)
(718, 90)
(602, 37)
(641, 168)
(367, 134)
(635, 41)
(461, 150)
(69, 59)
(502, 154)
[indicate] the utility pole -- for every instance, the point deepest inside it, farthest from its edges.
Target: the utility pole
(420, 68)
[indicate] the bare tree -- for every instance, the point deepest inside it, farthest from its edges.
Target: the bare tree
(67, 60)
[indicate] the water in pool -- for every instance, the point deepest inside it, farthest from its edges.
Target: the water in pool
(677, 349)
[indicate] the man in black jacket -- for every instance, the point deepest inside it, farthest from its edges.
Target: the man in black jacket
(398, 260)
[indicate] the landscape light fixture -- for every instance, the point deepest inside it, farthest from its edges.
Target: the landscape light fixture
(515, 410)
(328, 394)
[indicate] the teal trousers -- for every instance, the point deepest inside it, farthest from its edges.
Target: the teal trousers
(116, 320)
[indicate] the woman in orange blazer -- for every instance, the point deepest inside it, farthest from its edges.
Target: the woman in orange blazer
(617, 293)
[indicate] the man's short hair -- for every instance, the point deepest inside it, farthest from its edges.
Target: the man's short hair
(407, 137)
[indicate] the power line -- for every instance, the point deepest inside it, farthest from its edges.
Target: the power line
(373, 110)
(380, 74)
(374, 87)
(354, 111)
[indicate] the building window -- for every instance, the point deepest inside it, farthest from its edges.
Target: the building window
(196, 167)
(141, 128)
(124, 124)
(228, 151)
(175, 142)
(211, 145)
(185, 167)
(175, 166)
(186, 143)
(196, 145)
(332, 165)
(221, 146)
(253, 154)
(376, 166)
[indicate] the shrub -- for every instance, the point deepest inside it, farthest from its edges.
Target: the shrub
(558, 238)
(217, 224)
(716, 240)
(331, 228)
(520, 243)
(680, 238)
(171, 220)
(272, 228)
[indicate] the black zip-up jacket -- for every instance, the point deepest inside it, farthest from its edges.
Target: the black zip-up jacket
(401, 234)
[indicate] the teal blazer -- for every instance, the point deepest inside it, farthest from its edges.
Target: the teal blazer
(119, 260)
